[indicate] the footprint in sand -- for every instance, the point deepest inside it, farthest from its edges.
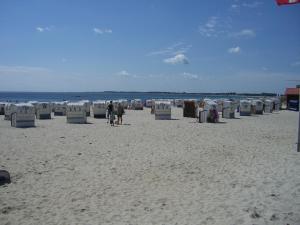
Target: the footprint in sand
(254, 212)
(8, 209)
(274, 196)
(208, 221)
(274, 217)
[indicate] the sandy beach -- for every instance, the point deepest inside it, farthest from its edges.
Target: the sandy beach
(239, 171)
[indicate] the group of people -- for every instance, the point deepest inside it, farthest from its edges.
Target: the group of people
(111, 113)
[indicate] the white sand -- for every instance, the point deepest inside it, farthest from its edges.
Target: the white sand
(243, 171)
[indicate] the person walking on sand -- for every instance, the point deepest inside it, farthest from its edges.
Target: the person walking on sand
(120, 112)
(110, 113)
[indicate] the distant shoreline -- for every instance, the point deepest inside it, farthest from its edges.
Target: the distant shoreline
(153, 92)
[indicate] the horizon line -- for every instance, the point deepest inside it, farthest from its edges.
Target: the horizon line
(159, 92)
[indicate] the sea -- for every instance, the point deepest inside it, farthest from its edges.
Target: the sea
(107, 95)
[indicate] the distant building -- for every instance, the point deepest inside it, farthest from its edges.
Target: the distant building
(292, 98)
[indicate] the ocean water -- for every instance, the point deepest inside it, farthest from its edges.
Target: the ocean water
(77, 96)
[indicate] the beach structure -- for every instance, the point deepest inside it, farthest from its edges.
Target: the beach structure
(178, 103)
(252, 106)
(43, 110)
(162, 110)
(8, 110)
(220, 105)
(23, 115)
(60, 108)
(2, 107)
(257, 106)
(268, 106)
(292, 98)
(137, 104)
(276, 104)
(293, 105)
(189, 108)
(52, 104)
(228, 110)
(87, 106)
(236, 104)
(76, 112)
(34, 103)
(245, 108)
(172, 101)
(99, 109)
(202, 115)
(149, 103)
(212, 112)
(152, 111)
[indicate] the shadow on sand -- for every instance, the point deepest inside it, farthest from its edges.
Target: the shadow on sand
(220, 122)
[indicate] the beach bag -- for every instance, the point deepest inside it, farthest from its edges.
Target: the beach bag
(4, 177)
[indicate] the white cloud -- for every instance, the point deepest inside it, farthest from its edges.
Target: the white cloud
(209, 28)
(176, 51)
(295, 63)
(108, 31)
(248, 33)
(190, 76)
(234, 50)
(177, 59)
(42, 29)
(212, 22)
(97, 31)
(102, 31)
(123, 73)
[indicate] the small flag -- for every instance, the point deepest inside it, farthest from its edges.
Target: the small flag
(287, 2)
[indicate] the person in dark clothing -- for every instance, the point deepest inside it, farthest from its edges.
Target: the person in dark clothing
(110, 113)
(120, 112)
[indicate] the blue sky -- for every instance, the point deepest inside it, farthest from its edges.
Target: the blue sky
(149, 45)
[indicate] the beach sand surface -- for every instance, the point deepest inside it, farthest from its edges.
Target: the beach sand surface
(240, 171)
